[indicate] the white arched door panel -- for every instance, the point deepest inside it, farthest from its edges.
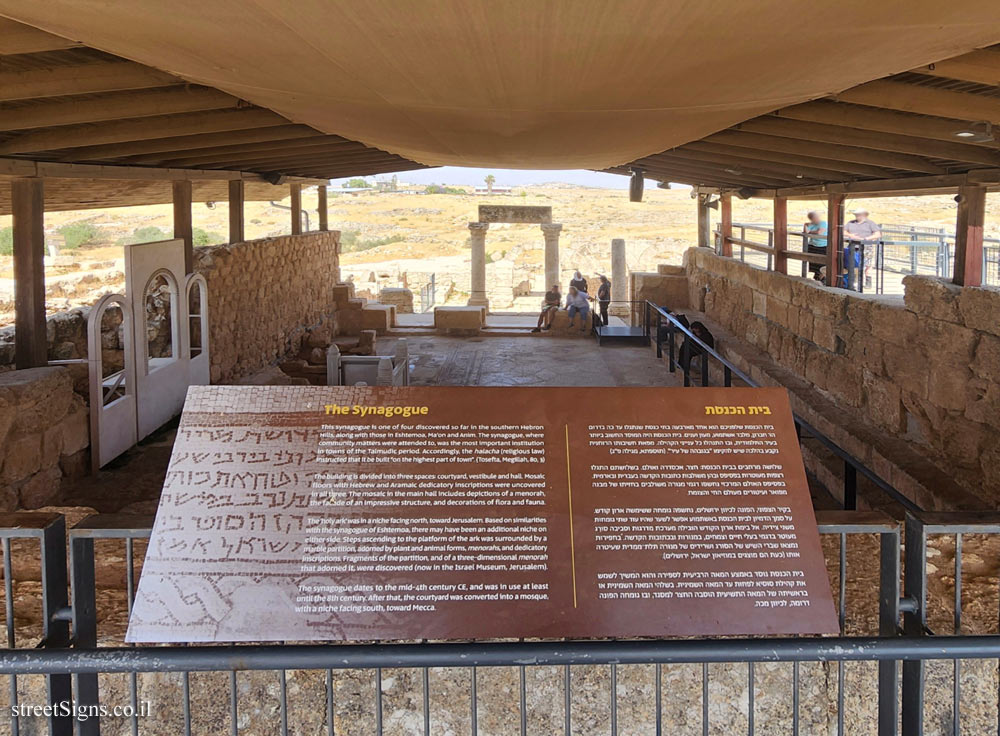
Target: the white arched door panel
(196, 330)
(112, 395)
(155, 275)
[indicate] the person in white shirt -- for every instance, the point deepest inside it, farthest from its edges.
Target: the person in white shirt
(577, 302)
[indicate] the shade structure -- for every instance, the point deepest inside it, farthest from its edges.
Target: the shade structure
(523, 83)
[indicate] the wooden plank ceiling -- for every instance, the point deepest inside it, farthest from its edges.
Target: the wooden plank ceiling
(66, 103)
(928, 125)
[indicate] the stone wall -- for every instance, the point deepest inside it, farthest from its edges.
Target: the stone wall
(924, 368)
(263, 295)
(44, 436)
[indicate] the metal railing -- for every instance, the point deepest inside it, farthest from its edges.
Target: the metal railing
(899, 700)
(667, 327)
(903, 250)
(428, 294)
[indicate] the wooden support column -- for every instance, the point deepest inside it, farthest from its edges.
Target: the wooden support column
(704, 222)
(296, 205)
(28, 209)
(726, 223)
(834, 238)
(183, 226)
(321, 207)
(781, 235)
(237, 196)
(969, 236)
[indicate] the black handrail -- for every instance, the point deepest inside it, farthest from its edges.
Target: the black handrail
(852, 466)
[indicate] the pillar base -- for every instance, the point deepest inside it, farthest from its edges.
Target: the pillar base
(475, 301)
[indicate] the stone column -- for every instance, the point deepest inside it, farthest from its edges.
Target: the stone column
(477, 290)
(551, 233)
(619, 278)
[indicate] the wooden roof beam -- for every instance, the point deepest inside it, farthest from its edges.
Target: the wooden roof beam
(747, 161)
(297, 156)
(119, 131)
(18, 38)
(885, 121)
(981, 67)
(116, 106)
(309, 137)
(867, 139)
(709, 175)
(842, 167)
(337, 173)
(16, 167)
(923, 100)
(267, 151)
(887, 187)
(866, 156)
(185, 144)
(83, 79)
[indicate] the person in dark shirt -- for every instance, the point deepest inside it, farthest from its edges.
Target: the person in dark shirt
(604, 298)
(689, 348)
(579, 282)
(550, 305)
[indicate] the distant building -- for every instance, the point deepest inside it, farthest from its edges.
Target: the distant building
(496, 190)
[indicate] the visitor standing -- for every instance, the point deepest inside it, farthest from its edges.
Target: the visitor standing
(861, 231)
(604, 298)
(816, 229)
(579, 282)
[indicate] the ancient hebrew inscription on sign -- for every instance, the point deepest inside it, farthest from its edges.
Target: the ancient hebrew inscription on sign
(514, 213)
(354, 513)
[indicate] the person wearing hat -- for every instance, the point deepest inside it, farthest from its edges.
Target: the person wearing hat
(861, 231)
(815, 228)
(604, 298)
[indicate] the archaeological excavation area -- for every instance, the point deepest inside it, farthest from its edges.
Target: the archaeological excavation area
(751, 489)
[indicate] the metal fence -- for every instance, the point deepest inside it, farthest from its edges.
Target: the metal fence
(428, 294)
(904, 250)
(881, 625)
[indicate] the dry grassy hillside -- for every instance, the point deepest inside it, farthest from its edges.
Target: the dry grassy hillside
(404, 237)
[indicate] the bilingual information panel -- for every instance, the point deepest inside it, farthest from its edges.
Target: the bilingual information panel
(294, 513)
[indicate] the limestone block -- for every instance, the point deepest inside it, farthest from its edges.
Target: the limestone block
(342, 293)
(457, 320)
(6, 420)
(983, 404)
(667, 269)
(932, 297)
(560, 323)
(902, 369)
(319, 337)
(760, 303)
(985, 364)
(75, 429)
(400, 297)
(844, 381)
(41, 396)
(947, 385)
(377, 317)
(665, 290)
(980, 308)
(937, 340)
(882, 399)
(823, 333)
(22, 458)
(894, 324)
(41, 489)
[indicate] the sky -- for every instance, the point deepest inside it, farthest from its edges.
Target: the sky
(508, 177)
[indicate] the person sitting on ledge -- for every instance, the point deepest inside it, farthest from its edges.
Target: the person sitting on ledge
(577, 302)
(689, 348)
(579, 282)
(550, 305)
